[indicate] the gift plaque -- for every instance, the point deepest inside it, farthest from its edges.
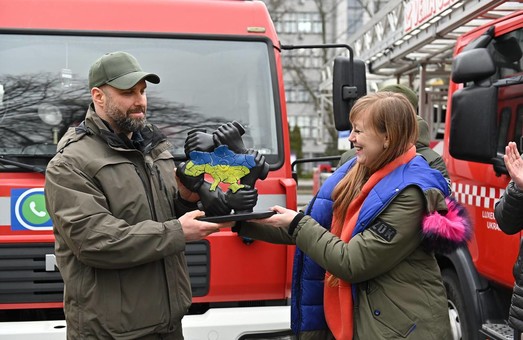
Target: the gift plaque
(218, 158)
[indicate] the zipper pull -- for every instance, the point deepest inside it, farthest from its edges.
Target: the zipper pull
(160, 179)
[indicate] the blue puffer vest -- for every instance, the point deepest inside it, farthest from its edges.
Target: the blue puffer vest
(307, 277)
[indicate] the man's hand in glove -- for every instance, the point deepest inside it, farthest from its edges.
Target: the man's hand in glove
(243, 200)
(214, 202)
(198, 140)
(188, 185)
(260, 171)
(230, 134)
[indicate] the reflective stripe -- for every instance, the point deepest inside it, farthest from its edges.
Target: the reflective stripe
(5, 210)
(437, 146)
(478, 196)
(264, 203)
(267, 201)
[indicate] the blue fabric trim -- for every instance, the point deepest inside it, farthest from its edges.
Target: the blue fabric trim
(307, 276)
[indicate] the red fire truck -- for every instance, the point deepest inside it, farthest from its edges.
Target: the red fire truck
(219, 61)
(484, 113)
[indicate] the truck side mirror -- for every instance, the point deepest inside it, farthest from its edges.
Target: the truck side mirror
(348, 84)
(482, 41)
(473, 65)
(473, 132)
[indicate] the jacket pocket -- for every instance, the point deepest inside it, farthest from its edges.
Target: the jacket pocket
(387, 313)
(133, 299)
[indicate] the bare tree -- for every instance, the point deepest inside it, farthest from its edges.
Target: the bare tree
(298, 62)
(23, 129)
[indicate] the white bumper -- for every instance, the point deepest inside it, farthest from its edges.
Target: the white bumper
(33, 330)
(231, 323)
(215, 324)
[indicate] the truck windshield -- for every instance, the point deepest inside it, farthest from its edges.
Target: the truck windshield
(204, 83)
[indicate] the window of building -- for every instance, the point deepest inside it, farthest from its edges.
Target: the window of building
(297, 94)
(309, 125)
(299, 22)
(303, 58)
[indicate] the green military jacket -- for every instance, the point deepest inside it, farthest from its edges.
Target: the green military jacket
(119, 247)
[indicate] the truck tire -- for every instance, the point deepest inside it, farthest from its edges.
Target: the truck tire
(461, 327)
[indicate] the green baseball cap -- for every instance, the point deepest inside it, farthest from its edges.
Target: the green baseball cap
(120, 70)
(404, 90)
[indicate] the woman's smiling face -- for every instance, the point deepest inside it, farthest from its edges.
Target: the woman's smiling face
(368, 143)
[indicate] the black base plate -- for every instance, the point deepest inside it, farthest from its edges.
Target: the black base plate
(238, 217)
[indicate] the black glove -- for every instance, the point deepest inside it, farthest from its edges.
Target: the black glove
(260, 171)
(198, 140)
(193, 183)
(230, 134)
(242, 200)
(214, 202)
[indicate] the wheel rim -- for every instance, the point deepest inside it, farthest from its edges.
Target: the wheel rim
(455, 324)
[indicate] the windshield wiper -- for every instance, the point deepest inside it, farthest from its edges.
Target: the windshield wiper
(22, 165)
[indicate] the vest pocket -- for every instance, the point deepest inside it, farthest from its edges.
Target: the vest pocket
(387, 313)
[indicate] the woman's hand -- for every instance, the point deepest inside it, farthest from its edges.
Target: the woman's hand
(281, 219)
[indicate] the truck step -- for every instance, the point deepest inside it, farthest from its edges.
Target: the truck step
(498, 331)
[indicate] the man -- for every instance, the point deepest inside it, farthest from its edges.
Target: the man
(120, 218)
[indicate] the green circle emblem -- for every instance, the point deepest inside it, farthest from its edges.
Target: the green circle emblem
(33, 209)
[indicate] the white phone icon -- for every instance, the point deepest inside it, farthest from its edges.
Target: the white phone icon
(32, 206)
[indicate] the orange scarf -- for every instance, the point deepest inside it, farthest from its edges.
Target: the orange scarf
(338, 305)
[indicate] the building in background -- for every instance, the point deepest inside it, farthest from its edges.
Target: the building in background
(309, 22)
(397, 45)
(314, 22)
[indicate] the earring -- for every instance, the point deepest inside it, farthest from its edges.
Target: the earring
(386, 145)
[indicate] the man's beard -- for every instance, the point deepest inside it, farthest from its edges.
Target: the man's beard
(123, 122)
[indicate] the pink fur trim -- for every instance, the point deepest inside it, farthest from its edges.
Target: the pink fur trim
(445, 232)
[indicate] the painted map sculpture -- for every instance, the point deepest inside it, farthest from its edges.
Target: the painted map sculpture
(223, 156)
(222, 164)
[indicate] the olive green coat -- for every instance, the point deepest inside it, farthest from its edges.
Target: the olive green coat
(118, 246)
(398, 278)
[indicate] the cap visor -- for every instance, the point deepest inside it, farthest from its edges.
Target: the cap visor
(129, 80)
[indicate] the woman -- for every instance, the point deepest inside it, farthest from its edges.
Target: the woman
(373, 227)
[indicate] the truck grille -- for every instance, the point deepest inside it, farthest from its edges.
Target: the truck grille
(23, 278)
(198, 255)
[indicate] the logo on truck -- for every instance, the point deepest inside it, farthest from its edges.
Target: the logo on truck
(28, 210)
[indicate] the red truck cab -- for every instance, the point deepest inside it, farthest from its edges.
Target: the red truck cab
(219, 61)
(484, 113)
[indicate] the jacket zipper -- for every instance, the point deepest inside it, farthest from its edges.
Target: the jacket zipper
(163, 188)
(149, 167)
(147, 192)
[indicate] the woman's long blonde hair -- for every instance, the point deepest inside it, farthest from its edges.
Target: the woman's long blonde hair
(390, 114)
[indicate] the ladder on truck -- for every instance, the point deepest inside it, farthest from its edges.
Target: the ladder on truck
(393, 46)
